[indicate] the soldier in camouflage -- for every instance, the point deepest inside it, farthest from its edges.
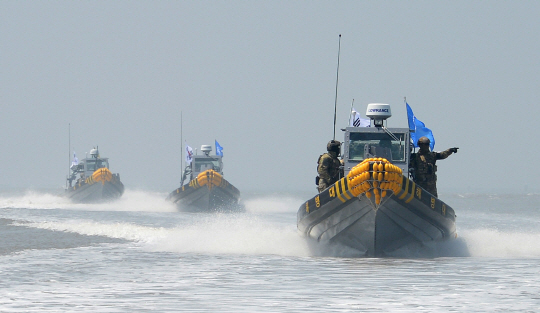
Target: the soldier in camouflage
(328, 166)
(423, 165)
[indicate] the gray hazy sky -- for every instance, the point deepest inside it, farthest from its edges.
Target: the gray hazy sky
(259, 76)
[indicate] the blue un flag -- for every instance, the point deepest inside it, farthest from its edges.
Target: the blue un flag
(418, 129)
(219, 149)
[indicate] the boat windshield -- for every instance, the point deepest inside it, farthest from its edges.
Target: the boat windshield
(368, 145)
(206, 164)
(92, 165)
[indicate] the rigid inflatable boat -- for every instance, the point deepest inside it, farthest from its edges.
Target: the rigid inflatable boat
(95, 182)
(206, 190)
(376, 209)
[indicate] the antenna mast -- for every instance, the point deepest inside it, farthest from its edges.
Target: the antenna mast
(351, 117)
(181, 147)
(337, 79)
(69, 151)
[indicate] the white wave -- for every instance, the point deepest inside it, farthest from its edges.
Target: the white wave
(34, 200)
(132, 200)
(240, 234)
(126, 231)
(135, 200)
(503, 244)
(219, 233)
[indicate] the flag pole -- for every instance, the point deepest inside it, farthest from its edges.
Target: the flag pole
(351, 118)
(69, 151)
(181, 146)
(337, 79)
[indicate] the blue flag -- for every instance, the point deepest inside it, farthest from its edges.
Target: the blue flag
(219, 149)
(418, 129)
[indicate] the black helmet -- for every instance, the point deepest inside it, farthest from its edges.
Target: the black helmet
(423, 141)
(333, 145)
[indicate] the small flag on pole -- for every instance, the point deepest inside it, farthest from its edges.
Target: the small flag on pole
(75, 159)
(219, 149)
(358, 121)
(189, 154)
(418, 129)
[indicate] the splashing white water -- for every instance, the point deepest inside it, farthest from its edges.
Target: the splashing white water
(268, 227)
(218, 233)
(132, 200)
(237, 235)
(34, 200)
(126, 231)
(504, 244)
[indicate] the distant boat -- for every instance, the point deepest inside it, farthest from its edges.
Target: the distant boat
(375, 208)
(91, 181)
(206, 190)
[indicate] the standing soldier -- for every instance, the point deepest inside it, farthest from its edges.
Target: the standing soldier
(423, 165)
(328, 166)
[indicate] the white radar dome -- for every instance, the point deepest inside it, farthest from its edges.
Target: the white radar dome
(378, 112)
(206, 149)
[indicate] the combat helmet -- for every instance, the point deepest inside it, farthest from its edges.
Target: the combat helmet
(333, 145)
(423, 141)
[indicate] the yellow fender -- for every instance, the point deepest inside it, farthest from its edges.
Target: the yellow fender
(101, 175)
(375, 177)
(210, 178)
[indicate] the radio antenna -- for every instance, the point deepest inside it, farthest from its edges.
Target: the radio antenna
(69, 152)
(337, 79)
(351, 117)
(181, 146)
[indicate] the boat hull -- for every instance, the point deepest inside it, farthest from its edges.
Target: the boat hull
(409, 222)
(96, 192)
(209, 192)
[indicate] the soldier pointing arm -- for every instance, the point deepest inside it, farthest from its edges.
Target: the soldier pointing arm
(423, 165)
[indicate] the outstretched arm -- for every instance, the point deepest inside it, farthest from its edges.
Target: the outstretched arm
(446, 153)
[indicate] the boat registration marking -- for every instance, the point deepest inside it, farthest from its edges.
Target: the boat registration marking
(332, 191)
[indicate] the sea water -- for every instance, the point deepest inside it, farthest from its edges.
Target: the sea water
(139, 254)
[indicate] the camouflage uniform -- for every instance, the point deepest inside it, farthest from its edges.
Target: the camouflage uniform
(423, 163)
(329, 170)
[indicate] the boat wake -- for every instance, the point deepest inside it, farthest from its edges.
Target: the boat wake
(239, 234)
(267, 227)
(132, 200)
(493, 243)
(212, 234)
(251, 235)
(33, 200)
